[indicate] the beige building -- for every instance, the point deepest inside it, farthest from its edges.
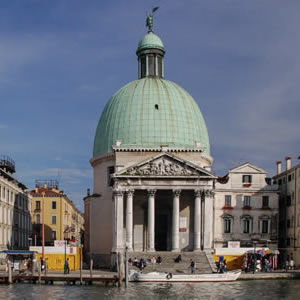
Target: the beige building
(246, 208)
(288, 181)
(15, 209)
(63, 221)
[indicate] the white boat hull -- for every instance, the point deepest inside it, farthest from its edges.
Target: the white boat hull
(168, 277)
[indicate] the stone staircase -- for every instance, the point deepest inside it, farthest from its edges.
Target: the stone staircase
(204, 262)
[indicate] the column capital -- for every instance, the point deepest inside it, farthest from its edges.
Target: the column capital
(130, 192)
(176, 192)
(151, 192)
(209, 193)
(198, 193)
(117, 193)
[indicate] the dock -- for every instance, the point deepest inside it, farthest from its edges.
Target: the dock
(74, 278)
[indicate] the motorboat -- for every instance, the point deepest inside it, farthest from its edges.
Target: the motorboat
(135, 276)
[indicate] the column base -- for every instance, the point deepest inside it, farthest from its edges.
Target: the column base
(151, 250)
(197, 250)
(175, 250)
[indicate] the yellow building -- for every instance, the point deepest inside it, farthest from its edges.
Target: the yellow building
(63, 221)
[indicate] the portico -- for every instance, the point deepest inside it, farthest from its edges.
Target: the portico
(171, 212)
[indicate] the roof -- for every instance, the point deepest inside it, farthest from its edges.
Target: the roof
(48, 192)
(151, 112)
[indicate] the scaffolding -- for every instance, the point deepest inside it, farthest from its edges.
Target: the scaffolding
(50, 184)
(7, 164)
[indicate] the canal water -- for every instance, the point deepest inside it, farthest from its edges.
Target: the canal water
(258, 289)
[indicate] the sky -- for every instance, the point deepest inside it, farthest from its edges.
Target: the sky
(62, 60)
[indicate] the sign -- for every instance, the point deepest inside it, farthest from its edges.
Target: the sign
(59, 243)
(233, 244)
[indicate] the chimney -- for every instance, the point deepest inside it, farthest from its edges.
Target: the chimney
(288, 161)
(278, 167)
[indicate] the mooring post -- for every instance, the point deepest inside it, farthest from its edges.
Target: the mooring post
(80, 272)
(39, 272)
(9, 272)
(91, 268)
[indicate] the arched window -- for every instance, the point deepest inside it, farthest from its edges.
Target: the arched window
(246, 224)
(228, 223)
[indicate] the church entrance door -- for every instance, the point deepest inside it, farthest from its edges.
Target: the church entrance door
(161, 232)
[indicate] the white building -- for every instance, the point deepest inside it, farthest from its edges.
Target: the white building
(288, 181)
(246, 208)
(15, 209)
(153, 188)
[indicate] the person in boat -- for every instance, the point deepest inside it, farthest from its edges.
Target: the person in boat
(192, 266)
(135, 261)
(178, 258)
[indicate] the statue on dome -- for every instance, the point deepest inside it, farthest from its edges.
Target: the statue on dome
(149, 22)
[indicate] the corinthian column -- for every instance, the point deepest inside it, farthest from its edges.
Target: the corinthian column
(197, 221)
(117, 221)
(175, 221)
(208, 220)
(151, 219)
(129, 219)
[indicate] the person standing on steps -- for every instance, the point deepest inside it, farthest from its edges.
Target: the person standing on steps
(192, 266)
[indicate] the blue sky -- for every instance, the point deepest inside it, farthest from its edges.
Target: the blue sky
(61, 61)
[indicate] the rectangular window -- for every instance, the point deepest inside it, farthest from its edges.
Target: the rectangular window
(227, 200)
(38, 205)
(288, 200)
(283, 180)
(280, 181)
(247, 178)
(53, 235)
(53, 204)
(288, 242)
(227, 225)
(247, 201)
(110, 171)
(38, 219)
(246, 226)
(53, 219)
(288, 223)
(265, 226)
(289, 177)
(265, 201)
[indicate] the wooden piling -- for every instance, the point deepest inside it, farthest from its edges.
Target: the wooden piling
(39, 273)
(80, 272)
(9, 272)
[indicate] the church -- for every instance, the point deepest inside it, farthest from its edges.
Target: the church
(153, 185)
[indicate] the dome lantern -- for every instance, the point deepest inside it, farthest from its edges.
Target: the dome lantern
(150, 53)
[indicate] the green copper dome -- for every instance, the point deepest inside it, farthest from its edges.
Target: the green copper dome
(151, 40)
(151, 112)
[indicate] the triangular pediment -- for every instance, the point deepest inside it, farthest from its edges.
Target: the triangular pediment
(164, 165)
(247, 168)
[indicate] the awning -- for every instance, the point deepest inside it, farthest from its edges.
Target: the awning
(19, 252)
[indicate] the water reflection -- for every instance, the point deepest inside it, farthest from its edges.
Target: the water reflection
(264, 289)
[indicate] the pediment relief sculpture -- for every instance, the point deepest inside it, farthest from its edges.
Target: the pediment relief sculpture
(162, 167)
